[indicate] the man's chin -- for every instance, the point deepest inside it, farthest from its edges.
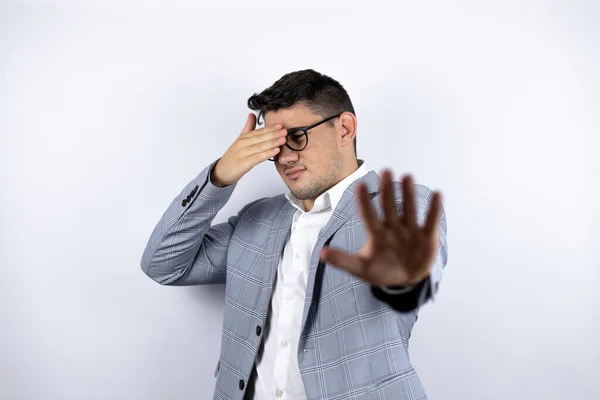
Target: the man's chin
(299, 194)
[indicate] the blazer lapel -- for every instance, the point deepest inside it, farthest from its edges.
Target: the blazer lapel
(346, 208)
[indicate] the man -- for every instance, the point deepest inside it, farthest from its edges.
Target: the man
(323, 284)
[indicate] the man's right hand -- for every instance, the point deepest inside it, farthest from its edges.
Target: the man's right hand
(250, 149)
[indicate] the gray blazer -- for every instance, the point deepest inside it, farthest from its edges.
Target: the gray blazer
(352, 344)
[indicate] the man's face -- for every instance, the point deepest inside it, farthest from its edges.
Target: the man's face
(319, 165)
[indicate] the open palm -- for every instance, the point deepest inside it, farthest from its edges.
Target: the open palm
(398, 251)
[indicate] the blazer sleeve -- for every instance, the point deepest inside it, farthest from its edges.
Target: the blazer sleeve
(409, 299)
(184, 249)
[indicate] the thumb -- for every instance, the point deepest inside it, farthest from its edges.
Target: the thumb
(250, 123)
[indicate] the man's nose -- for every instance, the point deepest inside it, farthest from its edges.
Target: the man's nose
(285, 155)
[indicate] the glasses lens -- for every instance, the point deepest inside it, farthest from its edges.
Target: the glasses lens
(296, 139)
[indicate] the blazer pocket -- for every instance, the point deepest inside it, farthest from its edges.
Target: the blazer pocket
(390, 379)
(217, 368)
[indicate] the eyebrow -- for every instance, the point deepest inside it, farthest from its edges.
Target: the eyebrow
(303, 126)
(298, 127)
(293, 127)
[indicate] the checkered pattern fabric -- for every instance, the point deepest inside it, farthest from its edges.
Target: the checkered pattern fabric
(352, 345)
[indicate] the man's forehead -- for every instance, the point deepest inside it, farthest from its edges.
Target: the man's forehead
(290, 117)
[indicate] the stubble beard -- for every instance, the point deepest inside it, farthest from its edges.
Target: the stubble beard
(322, 183)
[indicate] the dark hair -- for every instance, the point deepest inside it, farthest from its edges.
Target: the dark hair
(322, 95)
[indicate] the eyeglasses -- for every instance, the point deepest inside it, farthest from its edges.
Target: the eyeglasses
(297, 138)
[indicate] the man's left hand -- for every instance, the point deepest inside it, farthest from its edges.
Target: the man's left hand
(398, 252)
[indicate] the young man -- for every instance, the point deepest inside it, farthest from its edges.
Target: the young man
(323, 284)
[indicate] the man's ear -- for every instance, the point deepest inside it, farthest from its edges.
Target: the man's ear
(347, 126)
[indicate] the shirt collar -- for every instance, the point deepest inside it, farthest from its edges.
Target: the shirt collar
(331, 197)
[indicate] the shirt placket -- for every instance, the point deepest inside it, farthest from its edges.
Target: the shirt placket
(288, 308)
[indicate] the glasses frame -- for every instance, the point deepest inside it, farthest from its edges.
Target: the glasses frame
(305, 131)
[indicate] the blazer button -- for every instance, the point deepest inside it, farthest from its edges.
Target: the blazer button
(241, 384)
(184, 202)
(258, 330)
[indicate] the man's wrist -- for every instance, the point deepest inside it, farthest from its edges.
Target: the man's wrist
(403, 289)
(214, 180)
(398, 289)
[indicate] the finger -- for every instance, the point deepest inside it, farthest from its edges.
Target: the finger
(250, 124)
(263, 156)
(264, 130)
(408, 202)
(265, 146)
(388, 202)
(433, 216)
(367, 213)
(265, 138)
(351, 263)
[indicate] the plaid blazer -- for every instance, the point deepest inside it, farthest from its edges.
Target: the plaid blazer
(352, 344)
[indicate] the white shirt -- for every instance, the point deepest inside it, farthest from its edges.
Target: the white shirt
(277, 371)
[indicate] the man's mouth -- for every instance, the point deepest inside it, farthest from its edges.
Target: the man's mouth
(294, 173)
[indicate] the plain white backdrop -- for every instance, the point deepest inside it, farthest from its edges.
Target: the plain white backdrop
(108, 109)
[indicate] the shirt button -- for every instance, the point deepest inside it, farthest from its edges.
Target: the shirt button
(289, 297)
(279, 393)
(298, 256)
(284, 343)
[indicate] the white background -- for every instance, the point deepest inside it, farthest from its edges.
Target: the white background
(108, 110)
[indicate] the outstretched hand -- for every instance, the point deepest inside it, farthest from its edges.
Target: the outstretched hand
(398, 251)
